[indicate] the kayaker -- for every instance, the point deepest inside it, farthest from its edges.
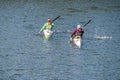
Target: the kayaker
(48, 25)
(77, 31)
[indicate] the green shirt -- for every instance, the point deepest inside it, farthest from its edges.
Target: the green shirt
(46, 26)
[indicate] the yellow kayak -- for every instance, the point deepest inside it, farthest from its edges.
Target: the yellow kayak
(47, 33)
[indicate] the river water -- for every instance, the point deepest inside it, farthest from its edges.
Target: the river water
(26, 56)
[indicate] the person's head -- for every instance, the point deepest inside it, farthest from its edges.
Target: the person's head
(49, 20)
(79, 27)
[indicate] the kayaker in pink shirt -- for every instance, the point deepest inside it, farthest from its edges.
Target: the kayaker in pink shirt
(77, 31)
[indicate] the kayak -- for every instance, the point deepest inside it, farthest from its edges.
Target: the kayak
(47, 33)
(77, 41)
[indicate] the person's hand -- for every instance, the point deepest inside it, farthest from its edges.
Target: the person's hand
(38, 33)
(70, 40)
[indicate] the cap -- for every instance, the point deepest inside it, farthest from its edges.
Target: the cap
(78, 26)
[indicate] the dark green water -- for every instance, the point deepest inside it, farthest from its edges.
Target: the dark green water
(26, 56)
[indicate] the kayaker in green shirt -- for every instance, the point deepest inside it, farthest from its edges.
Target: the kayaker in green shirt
(48, 25)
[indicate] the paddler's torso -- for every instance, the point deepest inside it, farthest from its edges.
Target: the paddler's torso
(49, 25)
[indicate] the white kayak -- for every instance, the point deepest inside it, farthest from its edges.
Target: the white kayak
(77, 41)
(47, 33)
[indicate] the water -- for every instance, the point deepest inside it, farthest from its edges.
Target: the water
(26, 56)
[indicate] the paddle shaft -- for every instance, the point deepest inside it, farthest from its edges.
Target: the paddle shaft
(87, 22)
(55, 18)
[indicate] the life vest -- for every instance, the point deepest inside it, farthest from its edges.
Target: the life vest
(78, 34)
(48, 27)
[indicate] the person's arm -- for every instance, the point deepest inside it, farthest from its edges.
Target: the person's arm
(43, 27)
(73, 33)
(82, 33)
(71, 37)
(52, 26)
(82, 30)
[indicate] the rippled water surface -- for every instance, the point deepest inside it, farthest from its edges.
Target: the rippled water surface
(26, 56)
